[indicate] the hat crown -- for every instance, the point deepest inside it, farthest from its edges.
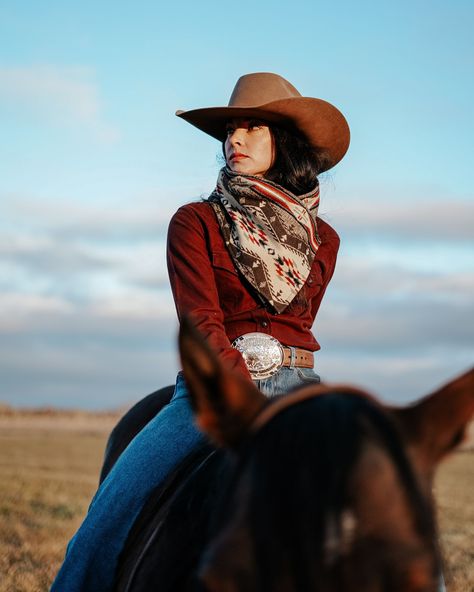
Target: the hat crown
(261, 88)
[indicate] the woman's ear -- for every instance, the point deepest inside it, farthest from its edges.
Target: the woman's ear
(225, 403)
(435, 425)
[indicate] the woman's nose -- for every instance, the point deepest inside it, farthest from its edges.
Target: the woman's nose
(237, 137)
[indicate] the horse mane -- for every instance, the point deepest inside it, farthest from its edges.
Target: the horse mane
(292, 477)
(299, 467)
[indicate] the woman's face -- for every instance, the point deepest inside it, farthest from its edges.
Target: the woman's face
(249, 147)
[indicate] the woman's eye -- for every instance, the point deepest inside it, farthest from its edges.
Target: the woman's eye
(255, 125)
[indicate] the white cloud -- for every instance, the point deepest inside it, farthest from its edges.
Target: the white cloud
(449, 219)
(360, 277)
(396, 377)
(102, 354)
(16, 305)
(66, 95)
(69, 219)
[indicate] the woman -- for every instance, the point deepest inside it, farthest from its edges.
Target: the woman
(250, 265)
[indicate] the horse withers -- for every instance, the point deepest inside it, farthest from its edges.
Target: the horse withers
(324, 489)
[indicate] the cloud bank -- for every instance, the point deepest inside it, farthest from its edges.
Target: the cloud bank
(87, 318)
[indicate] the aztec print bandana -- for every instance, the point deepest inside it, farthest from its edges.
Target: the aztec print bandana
(270, 233)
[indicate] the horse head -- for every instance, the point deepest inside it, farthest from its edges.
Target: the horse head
(332, 489)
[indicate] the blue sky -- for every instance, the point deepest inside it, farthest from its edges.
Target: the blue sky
(93, 163)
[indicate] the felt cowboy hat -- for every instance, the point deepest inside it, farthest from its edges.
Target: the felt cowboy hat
(272, 98)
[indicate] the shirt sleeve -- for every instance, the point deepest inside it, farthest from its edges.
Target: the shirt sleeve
(328, 259)
(193, 284)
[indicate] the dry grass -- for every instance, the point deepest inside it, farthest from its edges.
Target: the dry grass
(455, 496)
(47, 478)
(49, 466)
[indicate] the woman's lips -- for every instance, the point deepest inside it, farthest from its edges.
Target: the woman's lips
(238, 156)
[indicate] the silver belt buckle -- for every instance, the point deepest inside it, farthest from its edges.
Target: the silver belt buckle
(262, 353)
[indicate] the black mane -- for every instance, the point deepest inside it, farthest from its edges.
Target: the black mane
(300, 467)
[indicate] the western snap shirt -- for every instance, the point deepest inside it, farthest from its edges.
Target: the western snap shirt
(207, 287)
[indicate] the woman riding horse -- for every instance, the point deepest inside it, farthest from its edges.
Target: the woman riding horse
(250, 266)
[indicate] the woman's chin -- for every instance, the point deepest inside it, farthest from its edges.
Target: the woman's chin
(245, 169)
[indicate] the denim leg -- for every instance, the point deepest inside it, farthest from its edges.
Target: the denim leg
(285, 380)
(92, 554)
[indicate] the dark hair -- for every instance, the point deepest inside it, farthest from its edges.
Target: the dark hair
(297, 164)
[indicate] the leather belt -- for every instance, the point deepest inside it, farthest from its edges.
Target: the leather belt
(303, 358)
(264, 355)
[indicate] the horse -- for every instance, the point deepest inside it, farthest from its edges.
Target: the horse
(324, 489)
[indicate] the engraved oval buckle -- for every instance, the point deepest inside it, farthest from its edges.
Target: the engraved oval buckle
(262, 353)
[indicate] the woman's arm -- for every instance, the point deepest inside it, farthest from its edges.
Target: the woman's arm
(193, 283)
(327, 256)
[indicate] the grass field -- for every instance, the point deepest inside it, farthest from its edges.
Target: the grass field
(49, 468)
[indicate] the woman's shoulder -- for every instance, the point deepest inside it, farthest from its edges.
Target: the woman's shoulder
(196, 218)
(197, 211)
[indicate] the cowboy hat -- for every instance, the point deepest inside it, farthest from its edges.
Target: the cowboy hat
(270, 97)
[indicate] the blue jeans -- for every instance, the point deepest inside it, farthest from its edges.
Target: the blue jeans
(285, 380)
(92, 554)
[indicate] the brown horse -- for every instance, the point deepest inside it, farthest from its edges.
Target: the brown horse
(324, 489)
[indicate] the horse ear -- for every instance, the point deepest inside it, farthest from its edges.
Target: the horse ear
(437, 424)
(224, 402)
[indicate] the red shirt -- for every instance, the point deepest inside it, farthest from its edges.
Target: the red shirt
(207, 287)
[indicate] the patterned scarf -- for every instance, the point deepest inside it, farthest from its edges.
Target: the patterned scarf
(270, 233)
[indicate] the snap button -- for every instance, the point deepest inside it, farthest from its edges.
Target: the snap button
(264, 324)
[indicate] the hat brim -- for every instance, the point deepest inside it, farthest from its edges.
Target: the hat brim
(323, 125)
